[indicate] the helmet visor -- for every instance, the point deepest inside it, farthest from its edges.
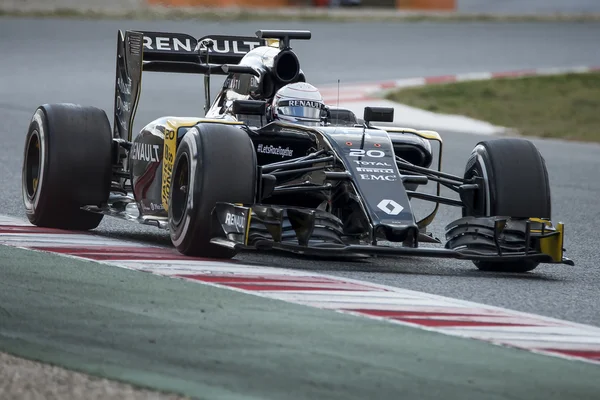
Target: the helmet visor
(303, 109)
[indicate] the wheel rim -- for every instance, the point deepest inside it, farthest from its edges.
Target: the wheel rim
(33, 165)
(181, 181)
(487, 197)
(479, 199)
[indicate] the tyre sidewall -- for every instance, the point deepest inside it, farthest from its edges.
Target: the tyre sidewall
(37, 127)
(187, 151)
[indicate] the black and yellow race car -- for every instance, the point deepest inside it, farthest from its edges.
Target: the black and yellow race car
(234, 180)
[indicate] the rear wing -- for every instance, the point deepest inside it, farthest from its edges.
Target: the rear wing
(139, 51)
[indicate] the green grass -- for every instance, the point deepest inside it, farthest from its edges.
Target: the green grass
(558, 106)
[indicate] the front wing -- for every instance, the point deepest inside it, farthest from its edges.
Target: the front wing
(304, 231)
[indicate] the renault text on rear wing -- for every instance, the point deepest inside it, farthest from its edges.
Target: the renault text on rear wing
(180, 47)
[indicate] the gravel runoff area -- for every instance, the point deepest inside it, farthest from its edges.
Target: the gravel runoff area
(28, 380)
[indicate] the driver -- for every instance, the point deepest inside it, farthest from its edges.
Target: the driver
(299, 103)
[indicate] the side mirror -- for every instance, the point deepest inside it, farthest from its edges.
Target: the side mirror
(378, 114)
(250, 107)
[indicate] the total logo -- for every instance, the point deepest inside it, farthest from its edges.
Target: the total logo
(373, 163)
(390, 207)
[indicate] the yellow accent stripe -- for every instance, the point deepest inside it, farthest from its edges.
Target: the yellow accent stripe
(170, 149)
(272, 42)
(553, 245)
(430, 135)
(248, 226)
(541, 221)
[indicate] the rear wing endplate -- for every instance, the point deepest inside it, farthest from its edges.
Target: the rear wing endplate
(128, 82)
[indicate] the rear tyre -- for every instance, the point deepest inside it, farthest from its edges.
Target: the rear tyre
(515, 185)
(214, 163)
(67, 164)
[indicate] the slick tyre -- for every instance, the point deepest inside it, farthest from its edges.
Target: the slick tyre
(515, 185)
(214, 163)
(67, 164)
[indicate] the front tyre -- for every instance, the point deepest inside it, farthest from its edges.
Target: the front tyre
(214, 163)
(67, 164)
(516, 185)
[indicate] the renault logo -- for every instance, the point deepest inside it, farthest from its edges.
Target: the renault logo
(390, 207)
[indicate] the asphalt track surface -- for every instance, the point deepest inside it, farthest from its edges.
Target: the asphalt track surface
(73, 61)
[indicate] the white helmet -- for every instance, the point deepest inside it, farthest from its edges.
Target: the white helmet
(299, 103)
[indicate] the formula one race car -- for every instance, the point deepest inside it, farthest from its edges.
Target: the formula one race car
(270, 167)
